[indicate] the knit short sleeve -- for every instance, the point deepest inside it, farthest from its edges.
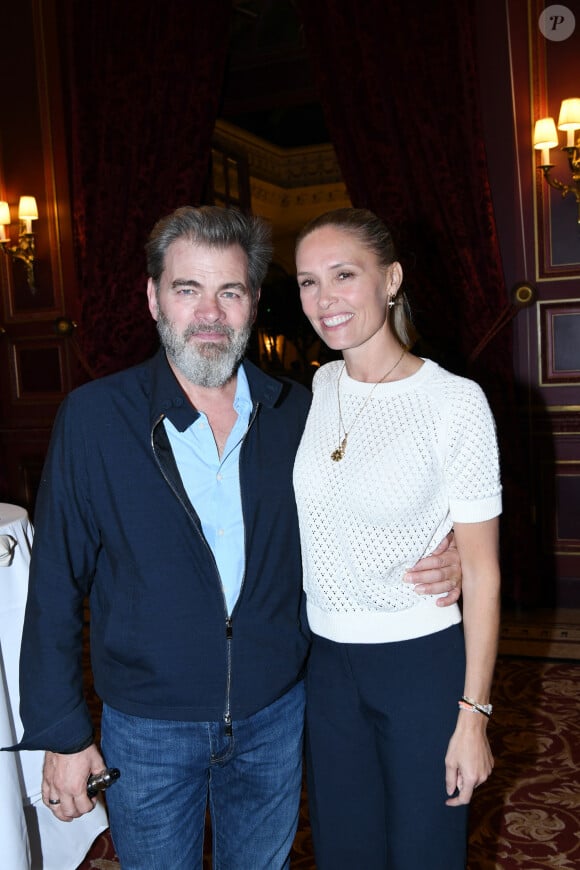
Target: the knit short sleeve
(472, 467)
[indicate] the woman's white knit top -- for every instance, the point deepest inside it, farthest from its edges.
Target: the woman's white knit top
(421, 456)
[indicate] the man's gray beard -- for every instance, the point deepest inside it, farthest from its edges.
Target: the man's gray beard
(209, 364)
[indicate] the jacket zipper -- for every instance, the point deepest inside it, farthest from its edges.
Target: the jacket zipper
(229, 621)
(229, 624)
(227, 713)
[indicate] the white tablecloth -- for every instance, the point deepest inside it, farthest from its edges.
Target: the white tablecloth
(31, 838)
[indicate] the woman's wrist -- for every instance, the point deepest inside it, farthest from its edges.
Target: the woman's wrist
(470, 704)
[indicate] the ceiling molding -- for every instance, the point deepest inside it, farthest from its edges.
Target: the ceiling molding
(288, 168)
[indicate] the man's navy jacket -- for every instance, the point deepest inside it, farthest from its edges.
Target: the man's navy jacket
(113, 522)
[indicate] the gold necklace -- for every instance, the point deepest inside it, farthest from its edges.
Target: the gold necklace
(339, 452)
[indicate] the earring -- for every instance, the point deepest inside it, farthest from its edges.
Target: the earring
(391, 302)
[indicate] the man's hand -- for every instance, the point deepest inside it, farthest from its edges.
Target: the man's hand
(64, 782)
(439, 573)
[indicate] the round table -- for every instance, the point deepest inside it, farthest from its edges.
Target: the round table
(31, 837)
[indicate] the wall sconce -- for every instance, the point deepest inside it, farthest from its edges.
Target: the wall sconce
(25, 249)
(546, 137)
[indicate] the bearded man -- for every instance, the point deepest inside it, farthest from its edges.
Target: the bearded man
(167, 500)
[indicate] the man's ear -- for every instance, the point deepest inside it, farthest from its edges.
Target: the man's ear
(152, 299)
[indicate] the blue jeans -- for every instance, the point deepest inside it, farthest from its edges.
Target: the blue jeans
(169, 771)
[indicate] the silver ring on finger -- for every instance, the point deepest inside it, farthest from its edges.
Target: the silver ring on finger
(52, 802)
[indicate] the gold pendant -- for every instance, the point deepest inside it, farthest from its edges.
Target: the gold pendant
(338, 454)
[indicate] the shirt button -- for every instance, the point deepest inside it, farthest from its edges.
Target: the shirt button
(220, 532)
(218, 476)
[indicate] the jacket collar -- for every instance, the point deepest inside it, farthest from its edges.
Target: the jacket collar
(168, 399)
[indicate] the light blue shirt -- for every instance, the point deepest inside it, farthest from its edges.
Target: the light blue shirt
(213, 487)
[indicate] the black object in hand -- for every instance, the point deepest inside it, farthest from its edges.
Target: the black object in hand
(100, 781)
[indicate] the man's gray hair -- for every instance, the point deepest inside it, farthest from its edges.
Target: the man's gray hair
(217, 228)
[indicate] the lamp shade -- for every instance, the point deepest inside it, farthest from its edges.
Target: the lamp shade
(569, 118)
(545, 134)
(27, 209)
(4, 213)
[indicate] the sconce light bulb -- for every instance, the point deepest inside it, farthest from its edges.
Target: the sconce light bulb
(4, 213)
(545, 135)
(569, 117)
(27, 208)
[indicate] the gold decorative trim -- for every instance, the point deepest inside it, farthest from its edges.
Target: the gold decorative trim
(539, 639)
(289, 210)
(282, 198)
(540, 411)
(524, 294)
(545, 343)
(288, 168)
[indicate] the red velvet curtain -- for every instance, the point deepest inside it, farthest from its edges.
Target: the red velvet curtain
(399, 87)
(143, 80)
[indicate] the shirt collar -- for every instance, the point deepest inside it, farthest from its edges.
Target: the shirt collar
(243, 397)
(169, 399)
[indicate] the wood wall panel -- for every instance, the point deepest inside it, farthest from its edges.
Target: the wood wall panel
(559, 331)
(39, 372)
(557, 473)
(37, 367)
(567, 524)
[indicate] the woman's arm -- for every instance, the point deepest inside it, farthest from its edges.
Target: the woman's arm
(469, 761)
